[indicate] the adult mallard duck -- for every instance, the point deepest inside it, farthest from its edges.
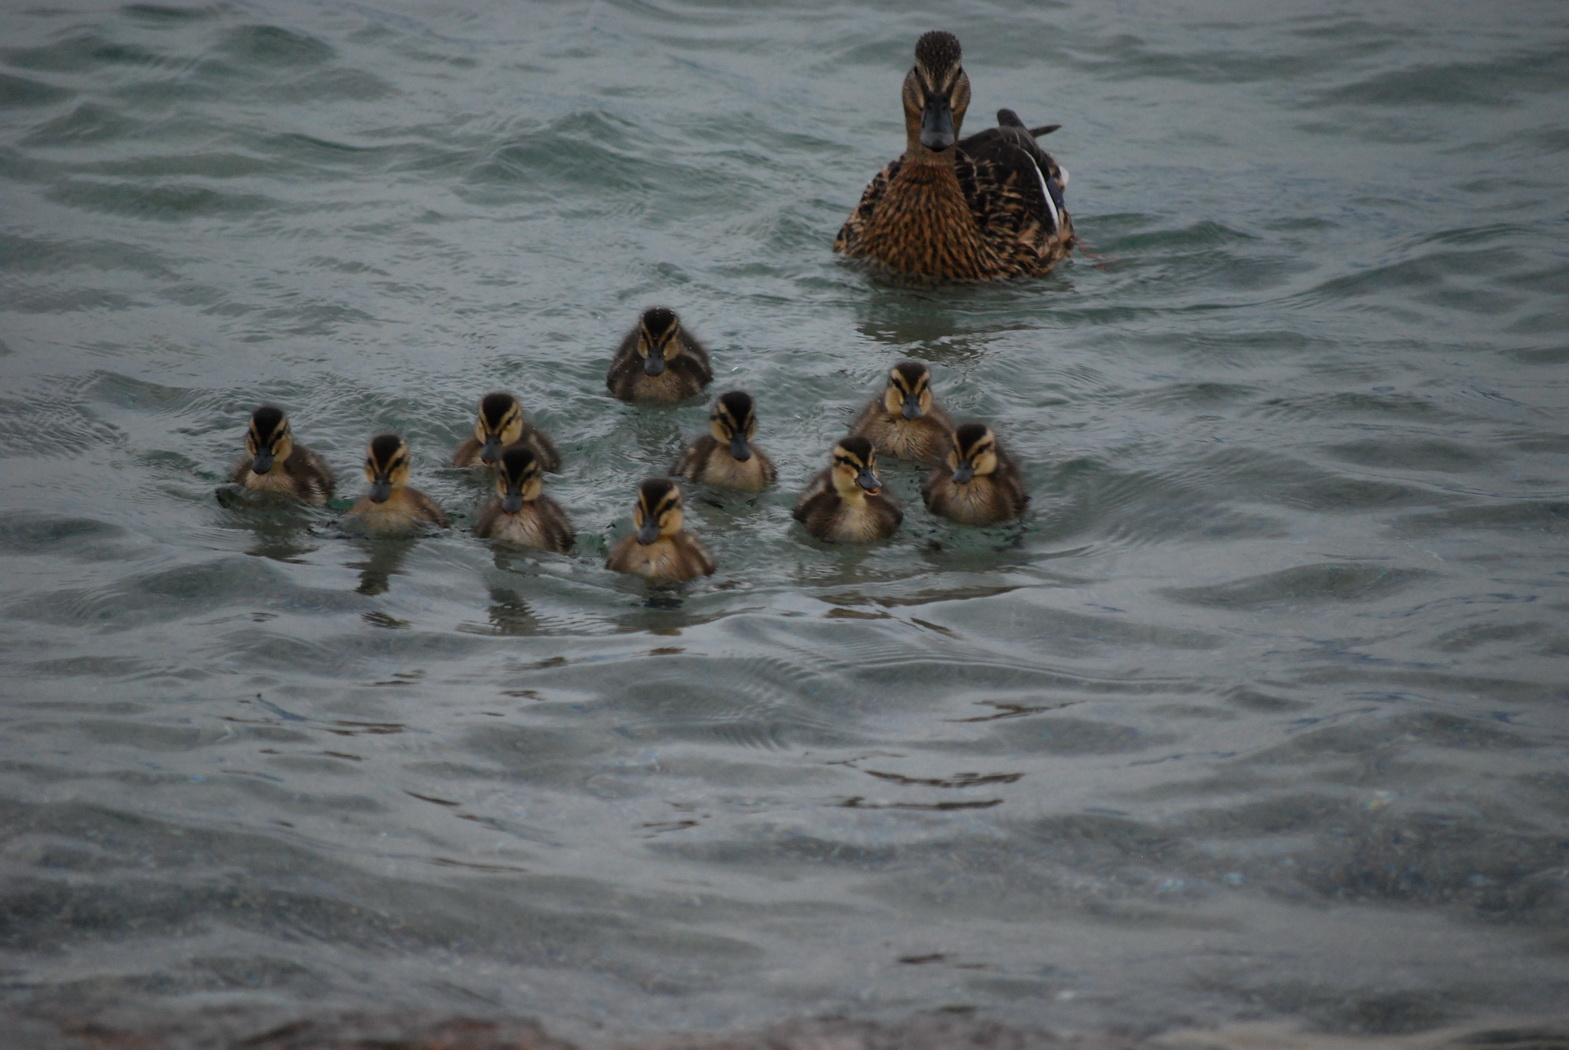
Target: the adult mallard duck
(978, 484)
(905, 421)
(659, 361)
(725, 455)
(521, 513)
(661, 550)
(274, 463)
(846, 503)
(500, 423)
(986, 207)
(391, 507)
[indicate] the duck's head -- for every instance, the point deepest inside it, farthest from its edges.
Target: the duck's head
(732, 423)
(268, 440)
(658, 510)
(974, 452)
(499, 424)
(855, 468)
(909, 391)
(386, 465)
(517, 477)
(658, 338)
(936, 94)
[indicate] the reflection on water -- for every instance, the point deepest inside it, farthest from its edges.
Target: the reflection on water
(1258, 714)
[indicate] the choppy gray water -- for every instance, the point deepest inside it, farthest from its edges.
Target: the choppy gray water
(1262, 713)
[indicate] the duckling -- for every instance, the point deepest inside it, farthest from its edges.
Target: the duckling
(500, 423)
(659, 361)
(846, 503)
(661, 550)
(521, 513)
(982, 208)
(905, 421)
(979, 483)
(274, 463)
(725, 455)
(392, 508)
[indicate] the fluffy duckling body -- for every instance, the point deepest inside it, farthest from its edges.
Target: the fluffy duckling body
(274, 463)
(660, 550)
(521, 513)
(659, 361)
(982, 208)
(905, 421)
(725, 455)
(500, 423)
(846, 503)
(978, 484)
(391, 507)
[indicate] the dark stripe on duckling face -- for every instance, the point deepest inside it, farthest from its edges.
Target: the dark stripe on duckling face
(386, 465)
(658, 341)
(267, 439)
(734, 422)
(517, 478)
(854, 458)
(974, 452)
(658, 509)
(909, 389)
(500, 423)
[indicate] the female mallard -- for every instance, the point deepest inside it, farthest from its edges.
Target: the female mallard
(725, 455)
(661, 550)
(659, 361)
(274, 463)
(846, 502)
(905, 421)
(391, 507)
(978, 484)
(501, 423)
(981, 208)
(521, 513)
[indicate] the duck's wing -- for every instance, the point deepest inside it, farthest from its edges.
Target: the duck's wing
(1011, 171)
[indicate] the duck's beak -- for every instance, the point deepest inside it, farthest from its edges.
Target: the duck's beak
(963, 472)
(490, 450)
(937, 123)
(512, 500)
(911, 408)
(654, 363)
(648, 532)
(263, 462)
(739, 450)
(380, 489)
(869, 481)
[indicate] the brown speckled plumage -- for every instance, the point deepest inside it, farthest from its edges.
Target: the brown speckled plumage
(981, 208)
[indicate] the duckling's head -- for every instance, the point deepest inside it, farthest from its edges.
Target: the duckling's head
(974, 452)
(386, 465)
(658, 338)
(936, 95)
(268, 439)
(855, 468)
(500, 423)
(909, 392)
(658, 510)
(732, 423)
(517, 477)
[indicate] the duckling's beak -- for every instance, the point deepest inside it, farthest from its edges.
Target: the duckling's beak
(654, 363)
(380, 489)
(937, 123)
(490, 450)
(912, 408)
(648, 532)
(963, 472)
(263, 462)
(868, 481)
(512, 500)
(738, 448)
